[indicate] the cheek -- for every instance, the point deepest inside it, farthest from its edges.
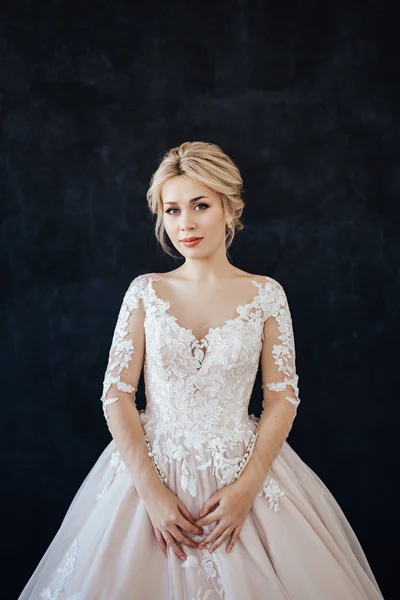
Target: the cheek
(168, 224)
(214, 220)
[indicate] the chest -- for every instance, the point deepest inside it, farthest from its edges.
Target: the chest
(173, 346)
(174, 349)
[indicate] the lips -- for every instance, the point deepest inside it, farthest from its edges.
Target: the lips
(192, 241)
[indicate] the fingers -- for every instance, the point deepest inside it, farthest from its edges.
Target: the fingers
(214, 539)
(173, 545)
(188, 526)
(234, 538)
(216, 543)
(187, 521)
(161, 541)
(181, 538)
(185, 511)
(210, 518)
(215, 533)
(212, 501)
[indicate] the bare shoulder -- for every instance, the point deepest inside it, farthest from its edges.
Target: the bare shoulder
(165, 274)
(141, 280)
(147, 275)
(168, 276)
(265, 279)
(251, 276)
(237, 274)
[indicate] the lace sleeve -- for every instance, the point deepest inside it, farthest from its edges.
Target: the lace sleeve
(278, 358)
(281, 394)
(125, 363)
(126, 355)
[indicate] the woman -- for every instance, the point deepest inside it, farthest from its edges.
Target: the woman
(194, 498)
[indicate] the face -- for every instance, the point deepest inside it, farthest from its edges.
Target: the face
(193, 210)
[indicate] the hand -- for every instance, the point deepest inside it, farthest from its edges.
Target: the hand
(234, 504)
(167, 514)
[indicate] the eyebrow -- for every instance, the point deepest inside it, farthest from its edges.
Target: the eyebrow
(190, 201)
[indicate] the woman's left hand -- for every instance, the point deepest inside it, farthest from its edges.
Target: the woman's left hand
(234, 504)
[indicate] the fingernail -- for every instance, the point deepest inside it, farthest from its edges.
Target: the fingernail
(183, 556)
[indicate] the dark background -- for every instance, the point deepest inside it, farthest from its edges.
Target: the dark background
(304, 96)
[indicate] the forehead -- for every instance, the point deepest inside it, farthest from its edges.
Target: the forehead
(183, 189)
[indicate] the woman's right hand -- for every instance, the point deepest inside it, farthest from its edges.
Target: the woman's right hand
(168, 514)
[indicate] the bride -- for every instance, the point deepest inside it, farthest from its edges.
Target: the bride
(193, 498)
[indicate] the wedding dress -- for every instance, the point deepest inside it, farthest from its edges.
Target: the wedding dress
(295, 543)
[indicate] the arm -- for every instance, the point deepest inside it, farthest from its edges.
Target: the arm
(121, 378)
(281, 394)
(166, 511)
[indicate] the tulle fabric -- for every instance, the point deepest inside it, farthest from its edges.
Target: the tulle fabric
(306, 551)
(295, 544)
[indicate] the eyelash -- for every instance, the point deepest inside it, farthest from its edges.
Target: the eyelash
(168, 211)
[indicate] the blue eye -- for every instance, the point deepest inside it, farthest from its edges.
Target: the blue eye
(200, 204)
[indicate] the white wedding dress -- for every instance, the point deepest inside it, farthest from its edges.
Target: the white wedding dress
(295, 544)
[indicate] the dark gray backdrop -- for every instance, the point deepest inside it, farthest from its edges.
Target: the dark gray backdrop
(304, 96)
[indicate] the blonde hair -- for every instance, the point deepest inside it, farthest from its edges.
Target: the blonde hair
(208, 164)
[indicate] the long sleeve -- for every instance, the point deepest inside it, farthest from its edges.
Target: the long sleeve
(280, 387)
(125, 360)
(121, 379)
(278, 357)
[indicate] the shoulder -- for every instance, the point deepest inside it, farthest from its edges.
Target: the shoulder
(239, 274)
(141, 280)
(273, 298)
(266, 282)
(269, 281)
(137, 289)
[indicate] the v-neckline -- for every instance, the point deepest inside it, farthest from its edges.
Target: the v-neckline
(204, 340)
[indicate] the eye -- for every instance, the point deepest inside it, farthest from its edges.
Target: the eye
(168, 211)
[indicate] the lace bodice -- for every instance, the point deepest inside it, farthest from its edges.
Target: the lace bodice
(198, 391)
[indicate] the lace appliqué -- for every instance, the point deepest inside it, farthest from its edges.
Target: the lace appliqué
(206, 566)
(203, 418)
(115, 466)
(273, 492)
(121, 350)
(197, 401)
(63, 573)
(284, 353)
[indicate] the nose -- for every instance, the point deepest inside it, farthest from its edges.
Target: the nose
(186, 222)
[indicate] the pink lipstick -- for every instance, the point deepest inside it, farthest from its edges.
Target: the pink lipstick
(192, 241)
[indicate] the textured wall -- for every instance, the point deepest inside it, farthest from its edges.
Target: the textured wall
(305, 98)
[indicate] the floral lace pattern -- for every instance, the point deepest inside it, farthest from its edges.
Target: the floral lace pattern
(115, 466)
(198, 391)
(272, 490)
(121, 353)
(206, 566)
(63, 573)
(284, 353)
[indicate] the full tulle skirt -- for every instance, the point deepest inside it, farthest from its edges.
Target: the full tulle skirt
(296, 544)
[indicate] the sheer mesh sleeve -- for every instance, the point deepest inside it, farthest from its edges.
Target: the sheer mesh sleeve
(281, 394)
(126, 355)
(278, 358)
(124, 367)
